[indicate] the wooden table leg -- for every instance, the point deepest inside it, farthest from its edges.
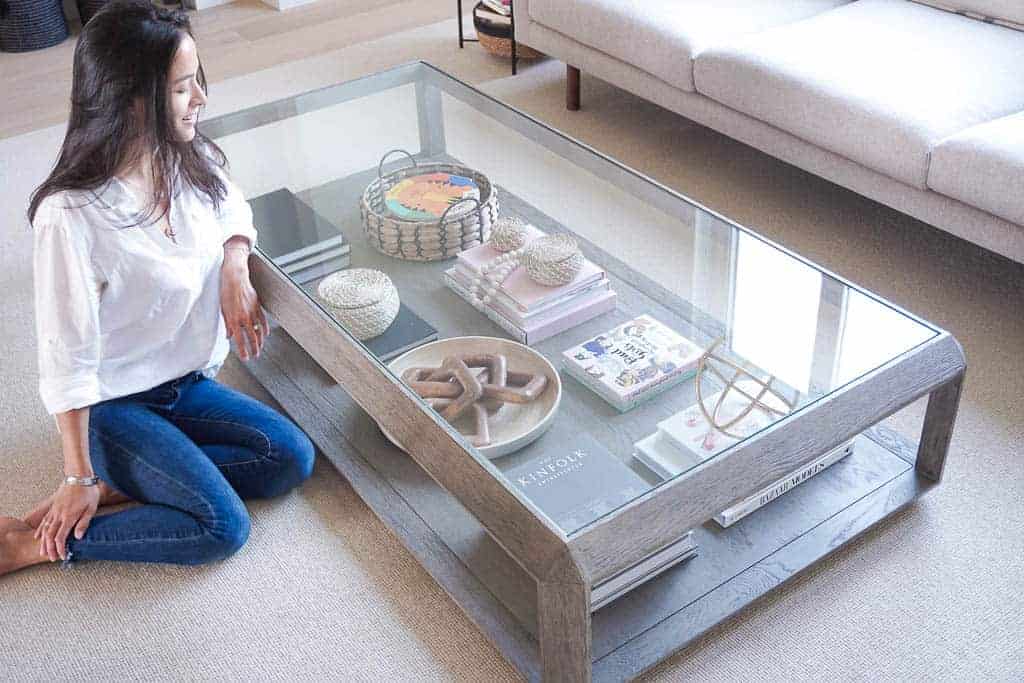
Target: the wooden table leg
(572, 88)
(939, 419)
(563, 615)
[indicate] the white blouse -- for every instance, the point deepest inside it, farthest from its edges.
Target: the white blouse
(123, 309)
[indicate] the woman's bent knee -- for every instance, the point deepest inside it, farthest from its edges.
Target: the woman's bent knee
(295, 455)
(225, 536)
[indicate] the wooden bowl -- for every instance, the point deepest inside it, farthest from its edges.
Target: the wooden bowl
(514, 426)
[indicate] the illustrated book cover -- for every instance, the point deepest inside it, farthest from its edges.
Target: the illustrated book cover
(633, 361)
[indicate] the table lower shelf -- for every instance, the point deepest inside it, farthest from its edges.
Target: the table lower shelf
(734, 567)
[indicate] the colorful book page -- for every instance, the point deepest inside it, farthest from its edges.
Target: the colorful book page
(427, 196)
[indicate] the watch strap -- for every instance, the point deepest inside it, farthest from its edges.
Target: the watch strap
(81, 481)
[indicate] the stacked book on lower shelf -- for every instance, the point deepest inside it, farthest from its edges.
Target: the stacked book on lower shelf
(578, 487)
(687, 439)
(528, 311)
(304, 244)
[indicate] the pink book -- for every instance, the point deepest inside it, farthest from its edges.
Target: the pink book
(524, 292)
(549, 323)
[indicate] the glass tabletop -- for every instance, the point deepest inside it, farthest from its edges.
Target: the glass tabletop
(588, 332)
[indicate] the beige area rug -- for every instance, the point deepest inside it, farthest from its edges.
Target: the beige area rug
(324, 590)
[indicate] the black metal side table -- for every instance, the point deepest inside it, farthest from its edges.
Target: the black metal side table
(512, 34)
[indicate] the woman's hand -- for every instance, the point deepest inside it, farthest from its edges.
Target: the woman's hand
(243, 315)
(72, 507)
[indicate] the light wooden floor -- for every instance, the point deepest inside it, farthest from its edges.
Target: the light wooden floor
(235, 39)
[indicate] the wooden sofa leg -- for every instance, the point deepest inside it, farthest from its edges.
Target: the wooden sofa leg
(572, 88)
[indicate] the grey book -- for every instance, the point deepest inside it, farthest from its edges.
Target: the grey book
(577, 486)
(407, 332)
(318, 270)
(289, 229)
(658, 562)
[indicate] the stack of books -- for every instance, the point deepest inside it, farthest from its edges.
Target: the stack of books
(633, 362)
(528, 311)
(487, 18)
(583, 482)
(686, 439)
(299, 240)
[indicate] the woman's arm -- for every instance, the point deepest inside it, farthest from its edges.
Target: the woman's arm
(243, 315)
(74, 436)
(73, 506)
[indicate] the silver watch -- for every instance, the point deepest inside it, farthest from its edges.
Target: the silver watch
(81, 481)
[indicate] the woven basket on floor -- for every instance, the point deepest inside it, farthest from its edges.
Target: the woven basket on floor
(464, 224)
(498, 41)
(31, 24)
(87, 8)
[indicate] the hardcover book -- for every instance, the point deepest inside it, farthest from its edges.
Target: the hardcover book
(633, 362)
(658, 562)
(290, 230)
(689, 429)
(667, 460)
(549, 323)
(520, 289)
(318, 270)
(407, 332)
(511, 309)
(579, 485)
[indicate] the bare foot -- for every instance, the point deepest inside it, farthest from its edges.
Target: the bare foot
(108, 496)
(17, 547)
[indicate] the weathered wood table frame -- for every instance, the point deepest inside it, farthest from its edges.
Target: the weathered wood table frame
(565, 567)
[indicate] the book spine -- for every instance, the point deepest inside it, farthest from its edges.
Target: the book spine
(323, 257)
(511, 310)
(467, 272)
(730, 516)
(661, 383)
(516, 333)
(561, 323)
(581, 376)
(310, 250)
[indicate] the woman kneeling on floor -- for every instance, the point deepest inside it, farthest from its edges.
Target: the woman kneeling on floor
(141, 278)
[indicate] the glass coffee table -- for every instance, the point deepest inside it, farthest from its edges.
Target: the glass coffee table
(586, 544)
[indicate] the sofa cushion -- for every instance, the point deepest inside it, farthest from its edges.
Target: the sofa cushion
(880, 82)
(1003, 10)
(984, 166)
(663, 36)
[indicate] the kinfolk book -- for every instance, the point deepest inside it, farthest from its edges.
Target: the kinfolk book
(578, 485)
(633, 362)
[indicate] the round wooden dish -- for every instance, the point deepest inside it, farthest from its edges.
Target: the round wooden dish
(514, 426)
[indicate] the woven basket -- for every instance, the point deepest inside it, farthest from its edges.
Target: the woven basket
(553, 260)
(31, 24)
(363, 300)
(463, 225)
(87, 8)
(498, 41)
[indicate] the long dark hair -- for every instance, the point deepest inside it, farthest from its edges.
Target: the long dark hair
(124, 53)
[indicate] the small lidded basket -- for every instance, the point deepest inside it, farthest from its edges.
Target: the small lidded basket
(363, 300)
(553, 260)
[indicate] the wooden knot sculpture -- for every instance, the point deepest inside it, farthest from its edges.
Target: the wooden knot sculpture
(479, 384)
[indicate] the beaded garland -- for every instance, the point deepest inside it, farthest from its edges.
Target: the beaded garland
(551, 260)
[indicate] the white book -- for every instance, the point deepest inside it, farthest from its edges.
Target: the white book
(665, 459)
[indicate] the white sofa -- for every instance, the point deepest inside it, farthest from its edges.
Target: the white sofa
(918, 107)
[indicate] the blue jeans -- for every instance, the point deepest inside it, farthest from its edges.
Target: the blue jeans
(189, 450)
